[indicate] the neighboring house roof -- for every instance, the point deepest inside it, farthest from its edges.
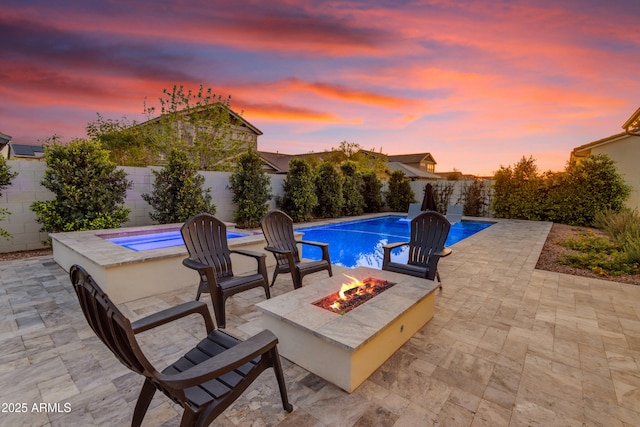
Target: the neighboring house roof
(277, 162)
(411, 172)
(412, 158)
(25, 151)
(631, 127)
(239, 120)
(584, 150)
(4, 139)
(633, 124)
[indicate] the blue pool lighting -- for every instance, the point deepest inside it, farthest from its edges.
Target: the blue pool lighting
(158, 240)
(359, 243)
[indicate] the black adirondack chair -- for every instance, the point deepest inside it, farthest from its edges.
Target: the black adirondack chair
(429, 231)
(205, 237)
(206, 380)
(277, 227)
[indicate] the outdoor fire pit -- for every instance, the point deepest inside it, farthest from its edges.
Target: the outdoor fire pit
(345, 346)
(352, 294)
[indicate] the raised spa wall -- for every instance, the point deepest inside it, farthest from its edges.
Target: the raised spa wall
(126, 275)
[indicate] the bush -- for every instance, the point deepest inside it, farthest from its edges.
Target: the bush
(178, 191)
(624, 229)
(251, 190)
(6, 176)
(328, 184)
(399, 195)
(474, 198)
(518, 191)
(371, 192)
(299, 198)
(575, 196)
(352, 190)
(442, 192)
(571, 197)
(89, 189)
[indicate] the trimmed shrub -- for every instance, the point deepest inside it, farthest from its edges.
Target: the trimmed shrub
(328, 184)
(89, 188)
(251, 190)
(299, 198)
(178, 191)
(474, 198)
(352, 190)
(399, 195)
(372, 192)
(6, 176)
(442, 192)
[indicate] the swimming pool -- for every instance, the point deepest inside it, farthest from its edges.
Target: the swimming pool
(161, 239)
(359, 243)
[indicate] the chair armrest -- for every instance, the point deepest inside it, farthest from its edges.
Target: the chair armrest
(195, 265)
(277, 250)
(174, 313)
(258, 256)
(224, 362)
(391, 246)
(386, 256)
(254, 254)
(444, 252)
(309, 242)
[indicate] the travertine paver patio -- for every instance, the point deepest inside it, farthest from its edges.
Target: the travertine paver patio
(508, 346)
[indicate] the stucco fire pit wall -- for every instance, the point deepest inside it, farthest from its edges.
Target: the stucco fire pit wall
(346, 349)
(127, 275)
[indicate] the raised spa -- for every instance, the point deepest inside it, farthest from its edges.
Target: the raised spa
(127, 274)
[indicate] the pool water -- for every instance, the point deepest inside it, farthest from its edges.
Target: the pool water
(359, 243)
(158, 240)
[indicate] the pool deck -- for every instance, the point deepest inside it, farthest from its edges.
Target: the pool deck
(509, 345)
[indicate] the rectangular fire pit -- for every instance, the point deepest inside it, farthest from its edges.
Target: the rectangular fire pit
(345, 349)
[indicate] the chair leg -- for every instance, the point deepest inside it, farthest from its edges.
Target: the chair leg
(439, 281)
(218, 300)
(146, 394)
(277, 368)
(275, 274)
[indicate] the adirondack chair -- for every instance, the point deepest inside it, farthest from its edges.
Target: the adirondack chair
(429, 231)
(205, 237)
(206, 380)
(277, 228)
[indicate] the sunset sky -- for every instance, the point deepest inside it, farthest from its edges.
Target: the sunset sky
(478, 84)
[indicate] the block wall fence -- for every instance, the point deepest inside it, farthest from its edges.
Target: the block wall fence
(26, 189)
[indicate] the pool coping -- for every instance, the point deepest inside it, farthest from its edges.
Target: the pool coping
(94, 245)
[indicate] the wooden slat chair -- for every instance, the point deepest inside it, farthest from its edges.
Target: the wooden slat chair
(429, 232)
(206, 380)
(205, 237)
(277, 227)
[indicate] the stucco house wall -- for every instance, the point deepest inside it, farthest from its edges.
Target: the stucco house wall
(624, 149)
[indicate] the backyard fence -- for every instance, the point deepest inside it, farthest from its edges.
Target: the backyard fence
(26, 189)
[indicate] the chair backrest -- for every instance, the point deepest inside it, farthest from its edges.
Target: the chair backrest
(205, 237)
(277, 228)
(108, 322)
(429, 232)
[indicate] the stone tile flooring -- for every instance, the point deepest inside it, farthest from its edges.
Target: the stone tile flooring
(508, 346)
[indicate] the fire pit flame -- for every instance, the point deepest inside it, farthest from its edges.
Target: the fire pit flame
(352, 294)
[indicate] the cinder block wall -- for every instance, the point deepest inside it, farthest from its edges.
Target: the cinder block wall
(26, 189)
